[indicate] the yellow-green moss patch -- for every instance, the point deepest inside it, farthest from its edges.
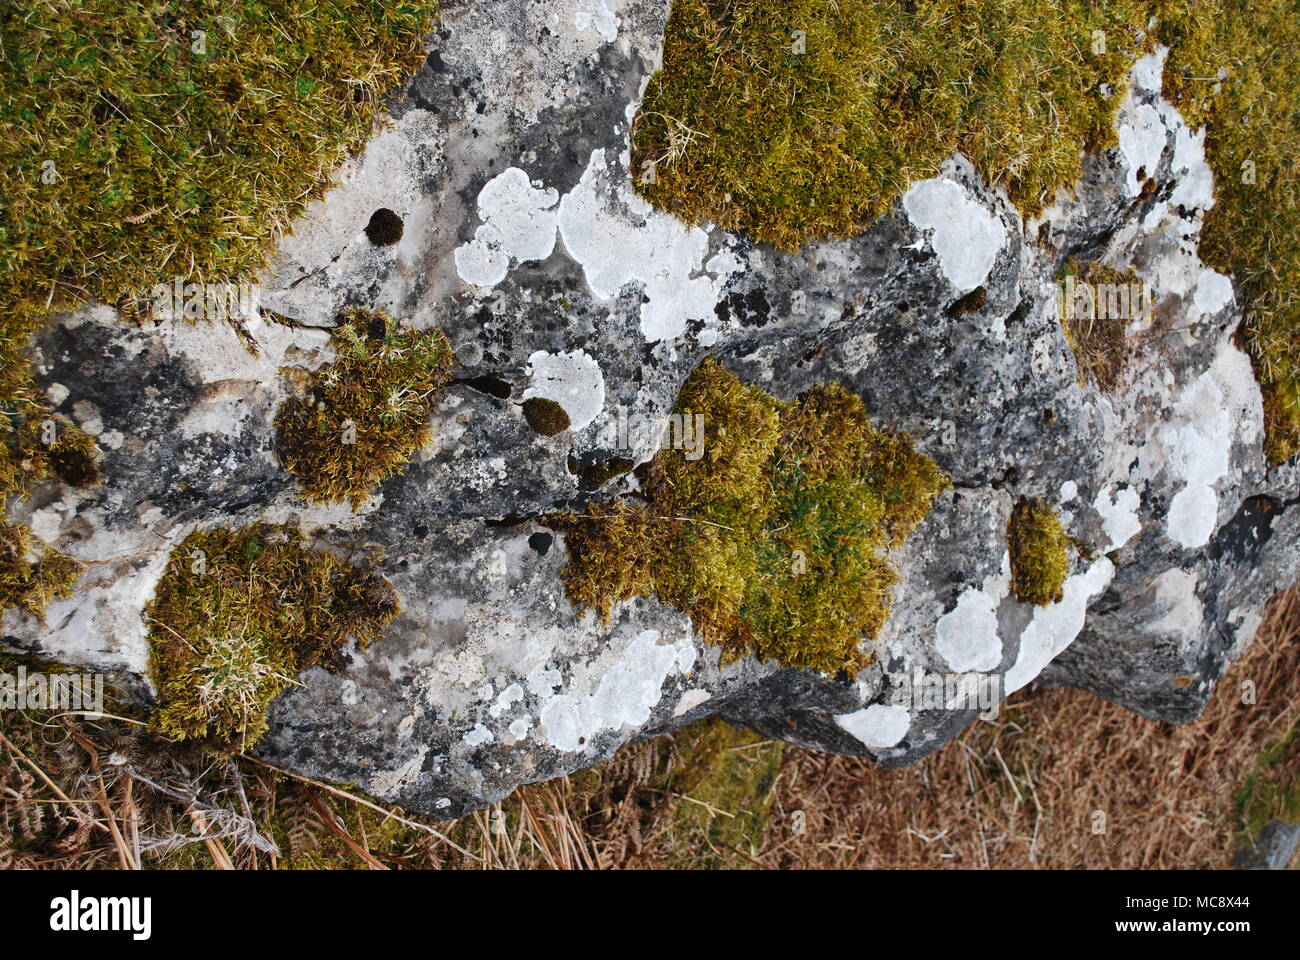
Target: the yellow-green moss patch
(31, 573)
(178, 136)
(773, 541)
(365, 414)
(797, 119)
(238, 614)
(1039, 548)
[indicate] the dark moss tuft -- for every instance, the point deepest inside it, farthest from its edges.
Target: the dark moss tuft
(545, 416)
(384, 228)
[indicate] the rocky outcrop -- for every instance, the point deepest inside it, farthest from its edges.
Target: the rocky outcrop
(521, 238)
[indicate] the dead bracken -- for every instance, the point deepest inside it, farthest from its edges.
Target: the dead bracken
(365, 414)
(774, 540)
(238, 614)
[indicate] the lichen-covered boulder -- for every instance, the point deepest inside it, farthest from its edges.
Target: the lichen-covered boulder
(507, 219)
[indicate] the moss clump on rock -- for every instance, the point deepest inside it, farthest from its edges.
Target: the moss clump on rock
(181, 135)
(32, 574)
(1039, 548)
(238, 614)
(365, 414)
(773, 541)
(545, 416)
(798, 119)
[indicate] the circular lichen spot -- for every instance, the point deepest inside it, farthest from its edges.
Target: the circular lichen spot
(545, 416)
(384, 228)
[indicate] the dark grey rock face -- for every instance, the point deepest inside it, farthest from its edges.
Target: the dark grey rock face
(521, 238)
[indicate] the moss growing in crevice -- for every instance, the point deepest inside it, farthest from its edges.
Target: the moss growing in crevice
(773, 541)
(1039, 548)
(1096, 305)
(238, 614)
(365, 414)
(32, 574)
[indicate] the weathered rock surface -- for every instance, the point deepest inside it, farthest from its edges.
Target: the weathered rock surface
(506, 160)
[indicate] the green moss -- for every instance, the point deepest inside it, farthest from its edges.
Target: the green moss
(1039, 549)
(1232, 68)
(238, 614)
(1271, 791)
(773, 540)
(32, 574)
(725, 784)
(545, 416)
(134, 145)
(798, 119)
(365, 414)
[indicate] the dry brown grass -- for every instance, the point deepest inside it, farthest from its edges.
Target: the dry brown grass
(1022, 792)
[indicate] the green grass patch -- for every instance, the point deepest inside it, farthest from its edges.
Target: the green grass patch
(1271, 791)
(774, 540)
(238, 614)
(365, 414)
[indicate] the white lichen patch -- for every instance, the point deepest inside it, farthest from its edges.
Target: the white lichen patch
(967, 635)
(518, 225)
(964, 234)
(597, 15)
(1053, 628)
(1213, 291)
(573, 380)
(1120, 521)
(629, 685)
(879, 725)
(1220, 406)
(1142, 140)
(619, 238)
